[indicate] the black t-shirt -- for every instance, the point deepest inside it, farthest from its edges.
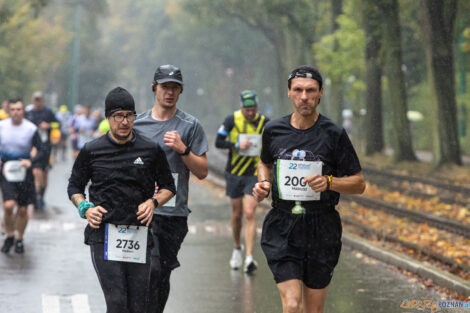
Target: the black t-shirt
(122, 177)
(324, 141)
(39, 116)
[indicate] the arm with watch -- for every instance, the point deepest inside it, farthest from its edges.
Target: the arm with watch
(265, 177)
(166, 188)
(146, 209)
(353, 184)
(197, 164)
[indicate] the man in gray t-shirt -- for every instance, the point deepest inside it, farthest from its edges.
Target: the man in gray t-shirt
(182, 138)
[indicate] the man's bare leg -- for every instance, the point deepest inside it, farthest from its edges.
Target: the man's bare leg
(314, 299)
(291, 295)
(236, 220)
(249, 209)
(21, 221)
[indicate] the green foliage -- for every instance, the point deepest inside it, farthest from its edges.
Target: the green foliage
(346, 64)
(28, 54)
(96, 69)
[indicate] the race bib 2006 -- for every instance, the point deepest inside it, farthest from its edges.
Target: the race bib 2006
(125, 243)
(290, 179)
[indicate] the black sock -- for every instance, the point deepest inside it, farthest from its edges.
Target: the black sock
(38, 195)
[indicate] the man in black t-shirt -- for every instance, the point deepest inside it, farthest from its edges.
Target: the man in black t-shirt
(306, 161)
(42, 116)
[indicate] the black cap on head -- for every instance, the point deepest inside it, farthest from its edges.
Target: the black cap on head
(118, 99)
(168, 73)
(305, 71)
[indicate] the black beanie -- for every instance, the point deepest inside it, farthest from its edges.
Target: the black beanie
(118, 99)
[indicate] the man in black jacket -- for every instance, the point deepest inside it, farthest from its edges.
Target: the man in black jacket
(124, 169)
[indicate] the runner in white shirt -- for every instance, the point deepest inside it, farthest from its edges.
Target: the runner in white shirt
(17, 138)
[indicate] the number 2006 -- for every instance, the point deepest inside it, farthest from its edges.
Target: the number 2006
(295, 181)
(129, 244)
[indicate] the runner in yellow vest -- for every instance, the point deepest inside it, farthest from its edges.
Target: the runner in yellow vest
(241, 134)
(4, 110)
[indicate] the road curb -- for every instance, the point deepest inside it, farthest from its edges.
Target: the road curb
(404, 262)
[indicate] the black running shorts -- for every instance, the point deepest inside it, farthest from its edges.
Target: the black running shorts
(43, 162)
(23, 193)
(302, 246)
(169, 233)
(238, 186)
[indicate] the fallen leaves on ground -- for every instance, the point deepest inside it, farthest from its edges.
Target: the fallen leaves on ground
(451, 245)
(432, 206)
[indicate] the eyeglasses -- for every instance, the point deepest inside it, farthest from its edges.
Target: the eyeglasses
(120, 117)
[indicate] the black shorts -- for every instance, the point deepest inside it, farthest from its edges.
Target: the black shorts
(23, 193)
(238, 186)
(43, 163)
(302, 246)
(124, 284)
(169, 233)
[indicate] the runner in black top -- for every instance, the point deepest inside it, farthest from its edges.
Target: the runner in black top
(314, 162)
(123, 168)
(42, 116)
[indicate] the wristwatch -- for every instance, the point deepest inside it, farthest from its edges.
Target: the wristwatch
(186, 152)
(155, 202)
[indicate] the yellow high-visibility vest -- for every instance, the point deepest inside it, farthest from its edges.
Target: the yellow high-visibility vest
(239, 163)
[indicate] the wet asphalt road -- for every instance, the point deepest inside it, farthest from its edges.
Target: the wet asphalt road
(56, 274)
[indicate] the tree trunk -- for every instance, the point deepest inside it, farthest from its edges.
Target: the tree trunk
(401, 134)
(336, 83)
(282, 74)
(373, 119)
(438, 17)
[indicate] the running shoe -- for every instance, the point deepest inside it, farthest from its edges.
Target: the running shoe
(19, 247)
(250, 264)
(7, 244)
(236, 259)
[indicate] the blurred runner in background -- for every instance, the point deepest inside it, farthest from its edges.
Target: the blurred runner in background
(65, 119)
(243, 129)
(4, 110)
(85, 125)
(42, 116)
(18, 136)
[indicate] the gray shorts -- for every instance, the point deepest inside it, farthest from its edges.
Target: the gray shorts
(238, 186)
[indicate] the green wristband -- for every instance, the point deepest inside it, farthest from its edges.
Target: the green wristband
(83, 207)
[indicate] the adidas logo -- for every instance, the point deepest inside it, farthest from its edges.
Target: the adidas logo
(139, 161)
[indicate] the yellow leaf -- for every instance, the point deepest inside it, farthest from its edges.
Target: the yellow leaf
(462, 213)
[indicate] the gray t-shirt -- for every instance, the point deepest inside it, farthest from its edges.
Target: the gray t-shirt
(192, 135)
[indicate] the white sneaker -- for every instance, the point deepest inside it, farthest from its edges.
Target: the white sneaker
(236, 259)
(250, 264)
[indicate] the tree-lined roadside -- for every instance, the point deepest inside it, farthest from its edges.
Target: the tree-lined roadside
(390, 69)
